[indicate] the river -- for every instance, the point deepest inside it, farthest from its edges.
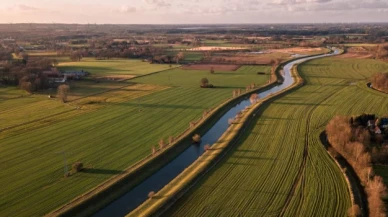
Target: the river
(129, 201)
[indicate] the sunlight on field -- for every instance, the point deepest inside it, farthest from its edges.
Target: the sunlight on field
(100, 68)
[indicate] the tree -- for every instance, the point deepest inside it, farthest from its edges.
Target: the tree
(212, 70)
(161, 144)
(170, 140)
(25, 58)
(27, 86)
(354, 211)
(254, 97)
(204, 82)
(196, 138)
(77, 167)
(63, 91)
(180, 56)
(76, 56)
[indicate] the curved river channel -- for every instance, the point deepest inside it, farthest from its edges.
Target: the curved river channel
(129, 201)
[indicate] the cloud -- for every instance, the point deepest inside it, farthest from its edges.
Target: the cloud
(27, 8)
(159, 3)
(127, 9)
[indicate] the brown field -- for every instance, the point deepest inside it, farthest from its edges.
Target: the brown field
(249, 58)
(296, 50)
(214, 48)
(357, 52)
(217, 67)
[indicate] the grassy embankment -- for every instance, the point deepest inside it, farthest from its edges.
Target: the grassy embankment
(110, 131)
(279, 166)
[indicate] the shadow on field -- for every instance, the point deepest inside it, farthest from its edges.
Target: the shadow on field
(101, 171)
(251, 158)
(296, 103)
(142, 105)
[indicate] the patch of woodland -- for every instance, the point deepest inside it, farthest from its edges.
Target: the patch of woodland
(362, 141)
(379, 81)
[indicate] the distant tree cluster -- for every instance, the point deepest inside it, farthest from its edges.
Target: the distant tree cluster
(350, 138)
(27, 74)
(382, 51)
(379, 81)
(76, 56)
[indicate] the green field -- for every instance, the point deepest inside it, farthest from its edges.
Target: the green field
(114, 67)
(267, 173)
(109, 132)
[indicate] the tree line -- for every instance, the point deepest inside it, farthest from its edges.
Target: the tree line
(27, 73)
(379, 81)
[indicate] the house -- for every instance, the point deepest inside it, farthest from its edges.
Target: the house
(52, 73)
(383, 123)
(74, 74)
(371, 123)
(57, 80)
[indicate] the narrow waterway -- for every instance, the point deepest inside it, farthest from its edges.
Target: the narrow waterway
(158, 180)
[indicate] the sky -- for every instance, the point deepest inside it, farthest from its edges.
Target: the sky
(192, 11)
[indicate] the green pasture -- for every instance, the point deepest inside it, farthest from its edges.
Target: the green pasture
(109, 132)
(114, 67)
(279, 166)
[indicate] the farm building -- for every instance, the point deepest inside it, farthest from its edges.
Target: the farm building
(74, 74)
(383, 123)
(52, 73)
(57, 80)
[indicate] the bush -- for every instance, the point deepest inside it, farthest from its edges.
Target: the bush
(206, 147)
(77, 167)
(151, 194)
(63, 91)
(354, 211)
(196, 138)
(205, 83)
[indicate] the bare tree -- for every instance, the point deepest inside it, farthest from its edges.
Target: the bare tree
(63, 91)
(161, 144)
(212, 70)
(254, 97)
(354, 211)
(180, 56)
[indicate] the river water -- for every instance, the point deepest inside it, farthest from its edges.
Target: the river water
(132, 199)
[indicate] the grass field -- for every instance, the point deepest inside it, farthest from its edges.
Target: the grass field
(361, 45)
(279, 167)
(100, 68)
(109, 132)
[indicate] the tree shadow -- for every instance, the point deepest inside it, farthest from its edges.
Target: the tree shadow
(101, 171)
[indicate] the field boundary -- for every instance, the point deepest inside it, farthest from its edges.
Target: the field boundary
(112, 188)
(151, 73)
(167, 196)
(358, 195)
